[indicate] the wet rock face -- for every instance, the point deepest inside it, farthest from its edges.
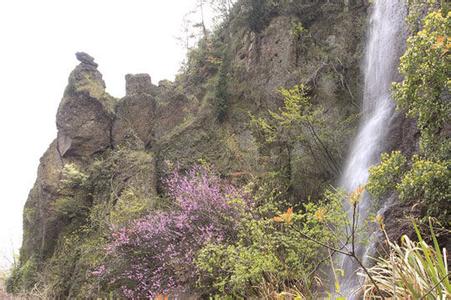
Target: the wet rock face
(403, 135)
(85, 114)
(135, 113)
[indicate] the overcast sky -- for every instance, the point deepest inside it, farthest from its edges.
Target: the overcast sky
(38, 40)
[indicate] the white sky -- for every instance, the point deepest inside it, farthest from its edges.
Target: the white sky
(38, 40)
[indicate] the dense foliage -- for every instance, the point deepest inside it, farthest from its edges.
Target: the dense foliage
(271, 253)
(216, 241)
(308, 145)
(155, 254)
(385, 176)
(424, 95)
(425, 181)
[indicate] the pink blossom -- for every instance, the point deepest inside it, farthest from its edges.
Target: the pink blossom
(155, 254)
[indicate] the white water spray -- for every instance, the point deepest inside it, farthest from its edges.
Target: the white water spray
(384, 46)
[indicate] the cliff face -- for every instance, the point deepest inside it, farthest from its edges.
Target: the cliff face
(152, 127)
(89, 122)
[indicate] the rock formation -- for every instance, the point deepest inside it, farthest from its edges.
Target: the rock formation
(135, 113)
(85, 114)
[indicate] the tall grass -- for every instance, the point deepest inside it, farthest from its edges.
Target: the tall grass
(413, 270)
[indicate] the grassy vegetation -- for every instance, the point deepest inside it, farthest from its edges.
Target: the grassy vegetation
(412, 270)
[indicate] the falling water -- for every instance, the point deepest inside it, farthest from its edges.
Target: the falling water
(384, 45)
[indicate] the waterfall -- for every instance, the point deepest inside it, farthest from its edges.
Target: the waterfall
(384, 47)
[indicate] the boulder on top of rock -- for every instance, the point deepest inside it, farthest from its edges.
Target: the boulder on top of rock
(85, 58)
(86, 112)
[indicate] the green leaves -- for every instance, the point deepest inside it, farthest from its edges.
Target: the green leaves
(383, 177)
(73, 177)
(272, 253)
(423, 95)
(287, 123)
(424, 92)
(428, 182)
(425, 181)
(301, 143)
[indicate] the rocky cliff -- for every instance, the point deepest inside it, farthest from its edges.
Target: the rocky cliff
(130, 143)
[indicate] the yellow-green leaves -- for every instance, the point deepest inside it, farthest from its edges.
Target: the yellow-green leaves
(380, 221)
(297, 30)
(425, 181)
(73, 176)
(297, 104)
(430, 183)
(129, 206)
(424, 92)
(383, 177)
(320, 214)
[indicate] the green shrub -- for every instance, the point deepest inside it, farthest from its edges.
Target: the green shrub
(13, 281)
(384, 176)
(22, 277)
(297, 30)
(424, 92)
(70, 208)
(271, 250)
(425, 181)
(128, 207)
(428, 182)
(73, 203)
(300, 143)
(72, 176)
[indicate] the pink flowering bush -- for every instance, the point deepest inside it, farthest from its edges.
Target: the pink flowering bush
(156, 254)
